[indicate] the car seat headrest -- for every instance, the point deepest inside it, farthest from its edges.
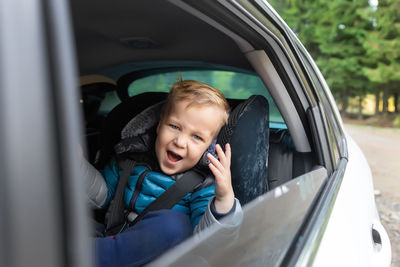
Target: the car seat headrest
(118, 117)
(247, 131)
(139, 132)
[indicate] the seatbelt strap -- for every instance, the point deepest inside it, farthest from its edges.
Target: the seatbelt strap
(186, 184)
(115, 215)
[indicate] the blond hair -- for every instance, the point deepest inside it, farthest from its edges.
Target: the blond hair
(197, 93)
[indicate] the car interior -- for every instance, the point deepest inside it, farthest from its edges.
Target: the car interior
(131, 52)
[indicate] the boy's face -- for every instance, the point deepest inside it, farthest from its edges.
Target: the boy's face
(184, 135)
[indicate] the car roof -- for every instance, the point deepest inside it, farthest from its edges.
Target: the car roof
(110, 33)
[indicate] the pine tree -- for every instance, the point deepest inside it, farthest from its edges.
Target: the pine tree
(331, 32)
(382, 45)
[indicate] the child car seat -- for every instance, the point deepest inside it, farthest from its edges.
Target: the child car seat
(118, 117)
(247, 131)
(93, 91)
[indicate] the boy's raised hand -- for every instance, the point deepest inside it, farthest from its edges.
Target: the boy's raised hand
(224, 196)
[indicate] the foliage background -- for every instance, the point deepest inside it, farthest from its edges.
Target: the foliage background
(356, 45)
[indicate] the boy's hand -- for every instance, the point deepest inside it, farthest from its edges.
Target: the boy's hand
(224, 196)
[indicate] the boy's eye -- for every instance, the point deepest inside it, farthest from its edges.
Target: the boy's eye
(197, 137)
(174, 126)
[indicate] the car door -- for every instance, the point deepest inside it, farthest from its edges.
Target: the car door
(43, 217)
(331, 204)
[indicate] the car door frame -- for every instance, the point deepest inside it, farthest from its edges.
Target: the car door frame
(44, 218)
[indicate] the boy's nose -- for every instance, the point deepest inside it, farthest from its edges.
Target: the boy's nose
(180, 141)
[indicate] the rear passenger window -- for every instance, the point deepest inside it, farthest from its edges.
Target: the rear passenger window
(234, 85)
(109, 101)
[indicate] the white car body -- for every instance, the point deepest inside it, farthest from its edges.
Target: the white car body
(347, 233)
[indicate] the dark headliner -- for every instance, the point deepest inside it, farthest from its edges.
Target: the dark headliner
(99, 27)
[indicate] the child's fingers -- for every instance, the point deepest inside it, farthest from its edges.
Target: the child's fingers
(228, 152)
(221, 155)
(215, 161)
(219, 171)
(215, 171)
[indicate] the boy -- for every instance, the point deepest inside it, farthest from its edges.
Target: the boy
(189, 122)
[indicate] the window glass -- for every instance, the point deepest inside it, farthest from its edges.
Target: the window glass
(99, 103)
(233, 85)
(268, 229)
(109, 101)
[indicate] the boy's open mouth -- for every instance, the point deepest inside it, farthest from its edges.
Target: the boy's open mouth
(173, 156)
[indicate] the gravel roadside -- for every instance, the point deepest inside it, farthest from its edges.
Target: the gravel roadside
(381, 147)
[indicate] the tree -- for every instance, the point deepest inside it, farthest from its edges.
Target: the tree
(382, 45)
(331, 31)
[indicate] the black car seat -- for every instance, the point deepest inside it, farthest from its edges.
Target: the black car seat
(247, 131)
(118, 117)
(93, 91)
(284, 162)
(280, 162)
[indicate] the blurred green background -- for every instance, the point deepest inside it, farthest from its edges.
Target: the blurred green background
(356, 45)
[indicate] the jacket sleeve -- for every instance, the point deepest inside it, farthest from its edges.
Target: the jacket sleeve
(96, 188)
(230, 223)
(198, 203)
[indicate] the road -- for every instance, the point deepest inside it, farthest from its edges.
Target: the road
(381, 147)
